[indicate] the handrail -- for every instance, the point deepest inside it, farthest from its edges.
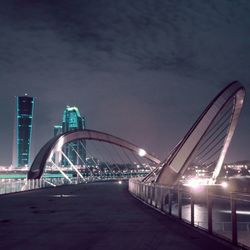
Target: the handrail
(170, 200)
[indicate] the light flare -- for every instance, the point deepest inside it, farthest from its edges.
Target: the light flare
(224, 184)
(142, 152)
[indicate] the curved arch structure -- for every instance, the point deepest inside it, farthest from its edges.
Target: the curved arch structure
(56, 143)
(172, 168)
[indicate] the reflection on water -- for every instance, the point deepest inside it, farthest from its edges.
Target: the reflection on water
(238, 212)
(200, 215)
(178, 202)
(221, 215)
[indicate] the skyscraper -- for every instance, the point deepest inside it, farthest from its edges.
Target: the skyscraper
(72, 120)
(24, 111)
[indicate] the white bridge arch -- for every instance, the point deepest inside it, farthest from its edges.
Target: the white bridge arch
(55, 144)
(170, 171)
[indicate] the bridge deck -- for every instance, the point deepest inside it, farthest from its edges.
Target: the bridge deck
(91, 216)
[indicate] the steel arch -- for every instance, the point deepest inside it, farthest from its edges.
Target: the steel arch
(177, 162)
(55, 144)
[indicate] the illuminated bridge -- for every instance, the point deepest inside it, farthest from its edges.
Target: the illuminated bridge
(204, 146)
(111, 155)
(206, 203)
(103, 215)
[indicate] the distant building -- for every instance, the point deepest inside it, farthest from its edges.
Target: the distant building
(24, 117)
(71, 121)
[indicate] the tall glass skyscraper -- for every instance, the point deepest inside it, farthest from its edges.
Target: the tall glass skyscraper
(72, 120)
(24, 111)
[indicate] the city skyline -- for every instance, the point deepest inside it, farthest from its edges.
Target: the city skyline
(144, 73)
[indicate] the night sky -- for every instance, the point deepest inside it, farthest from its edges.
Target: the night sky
(141, 70)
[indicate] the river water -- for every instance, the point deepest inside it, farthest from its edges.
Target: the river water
(221, 217)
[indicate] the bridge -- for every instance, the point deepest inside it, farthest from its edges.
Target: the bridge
(205, 144)
(162, 185)
(91, 216)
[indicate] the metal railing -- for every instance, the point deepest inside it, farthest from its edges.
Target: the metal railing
(13, 186)
(223, 214)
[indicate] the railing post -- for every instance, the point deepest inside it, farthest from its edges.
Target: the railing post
(169, 201)
(152, 194)
(143, 188)
(179, 203)
(158, 201)
(209, 212)
(162, 199)
(192, 209)
(156, 195)
(234, 220)
(148, 194)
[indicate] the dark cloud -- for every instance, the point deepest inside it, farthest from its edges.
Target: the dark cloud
(142, 70)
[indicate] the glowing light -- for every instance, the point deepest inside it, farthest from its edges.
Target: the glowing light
(195, 183)
(120, 182)
(224, 184)
(142, 152)
(238, 212)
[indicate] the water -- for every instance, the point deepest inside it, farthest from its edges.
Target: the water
(221, 216)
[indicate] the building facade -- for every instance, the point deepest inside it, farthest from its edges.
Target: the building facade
(71, 121)
(24, 118)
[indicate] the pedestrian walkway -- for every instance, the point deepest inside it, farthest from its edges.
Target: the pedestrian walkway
(95, 216)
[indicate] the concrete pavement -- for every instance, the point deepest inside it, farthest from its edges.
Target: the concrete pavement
(91, 216)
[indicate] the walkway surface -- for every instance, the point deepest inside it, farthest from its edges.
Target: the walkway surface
(91, 216)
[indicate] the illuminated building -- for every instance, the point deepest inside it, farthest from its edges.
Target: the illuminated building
(24, 111)
(72, 120)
